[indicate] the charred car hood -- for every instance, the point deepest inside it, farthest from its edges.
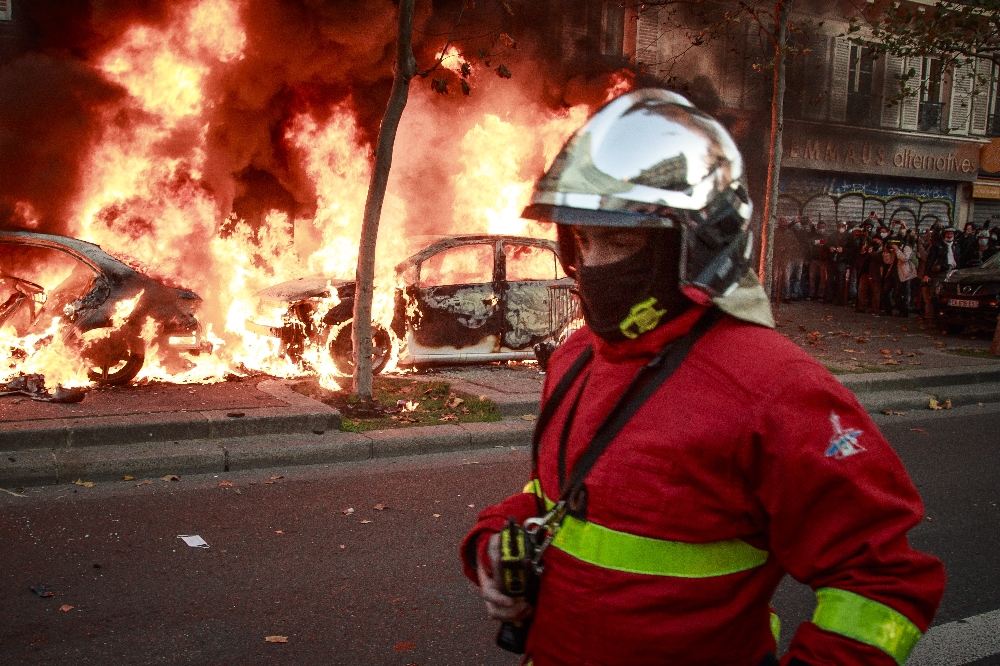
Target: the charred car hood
(314, 286)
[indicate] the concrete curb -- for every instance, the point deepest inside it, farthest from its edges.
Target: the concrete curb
(912, 380)
(303, 415)
(154, 459)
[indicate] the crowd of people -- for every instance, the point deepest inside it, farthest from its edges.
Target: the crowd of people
(875, 267)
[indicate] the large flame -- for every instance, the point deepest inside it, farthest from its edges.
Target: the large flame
(145, 196)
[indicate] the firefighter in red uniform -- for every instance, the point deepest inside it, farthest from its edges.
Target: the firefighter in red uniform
(687, 455)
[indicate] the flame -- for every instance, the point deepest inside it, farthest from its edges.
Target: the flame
(145, 195)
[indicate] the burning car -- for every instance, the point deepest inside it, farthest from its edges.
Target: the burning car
(970, 297)
(104, 310)
(462, 299)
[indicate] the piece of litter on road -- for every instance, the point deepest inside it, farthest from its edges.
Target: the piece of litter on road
(982, 404)
(892, 412)
(193, 540)
(65, 608)
(472, 506)
(170, 477)
(381, 507)
(528, 417)
(437, 515)
(348, 511)
(342, 546)
(276, 639)
(365, 522)
(43, 591)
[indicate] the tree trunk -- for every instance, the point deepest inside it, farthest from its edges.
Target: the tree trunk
(781, 11)
(406, 68)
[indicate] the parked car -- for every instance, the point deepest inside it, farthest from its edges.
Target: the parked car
(462, 299)
(102, 304)
(970, 297)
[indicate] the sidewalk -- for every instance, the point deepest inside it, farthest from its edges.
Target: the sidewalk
(890, 363)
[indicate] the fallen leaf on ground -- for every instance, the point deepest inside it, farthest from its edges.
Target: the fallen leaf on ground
(277, 476)
(886, 352)
(269, 483)
(129, 478)
(528, 417)
(278, 532)
(147, 482)
(380, 507)
(43, 591)
(918, 430)
(348, 511)
(226, 484)
(890, 362)
(934, 404)
(170, 477)
(403, 646)
(861, 340)
(276, 639)
(982, 404)
(850, 351)
(65, 608)
(365, 522)
(410, 406)
(449, 417)
(437, 515)
(472, 506)
(892, 412)
(802, 328)
(455, 402)
(85, 484)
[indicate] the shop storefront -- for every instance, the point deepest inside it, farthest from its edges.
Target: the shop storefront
(833, 173)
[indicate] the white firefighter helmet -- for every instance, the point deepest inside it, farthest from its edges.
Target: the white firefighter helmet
(650, 159)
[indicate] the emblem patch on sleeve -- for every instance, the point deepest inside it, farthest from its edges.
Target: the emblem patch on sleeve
(844, 443)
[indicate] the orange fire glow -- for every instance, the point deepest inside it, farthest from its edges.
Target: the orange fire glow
(144, 197)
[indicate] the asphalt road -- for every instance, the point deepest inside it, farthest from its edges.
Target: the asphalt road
(284, 559)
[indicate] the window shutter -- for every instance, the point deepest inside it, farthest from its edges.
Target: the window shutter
(647, 40)
(838, 83)
(960, 107)
(890, 88)
(981, 100)
(5, 10)
(911, 104)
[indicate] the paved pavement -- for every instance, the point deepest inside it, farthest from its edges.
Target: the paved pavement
(892, 364)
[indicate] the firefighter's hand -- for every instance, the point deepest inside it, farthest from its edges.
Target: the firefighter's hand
(498, 605)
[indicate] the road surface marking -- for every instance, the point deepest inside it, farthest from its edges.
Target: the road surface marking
(960, 642)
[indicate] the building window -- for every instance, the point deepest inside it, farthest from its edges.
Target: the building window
(930, 96)
(5, 10)
(860, 74)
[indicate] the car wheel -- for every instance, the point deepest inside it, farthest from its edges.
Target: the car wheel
(115, 360)
(954, 329)
(342, 349)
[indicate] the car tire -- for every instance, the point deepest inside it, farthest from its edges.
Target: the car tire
(954, 329)
(342, 349)
(115, 360)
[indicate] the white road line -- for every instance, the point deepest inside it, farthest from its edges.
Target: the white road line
(960, 642)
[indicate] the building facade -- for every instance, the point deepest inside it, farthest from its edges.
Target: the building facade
(852, 145)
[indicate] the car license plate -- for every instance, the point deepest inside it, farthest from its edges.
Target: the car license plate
(962, 303)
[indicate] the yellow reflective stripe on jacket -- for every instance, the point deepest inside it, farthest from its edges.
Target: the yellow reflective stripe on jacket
(866, 621)
(621, 551)
(776, 627)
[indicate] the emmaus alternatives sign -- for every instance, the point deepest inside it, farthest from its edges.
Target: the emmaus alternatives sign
(857, 150)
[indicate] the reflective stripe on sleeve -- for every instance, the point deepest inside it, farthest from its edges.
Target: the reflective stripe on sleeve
(865, 621)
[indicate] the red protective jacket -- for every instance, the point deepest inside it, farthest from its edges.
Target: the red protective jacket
(750, 439)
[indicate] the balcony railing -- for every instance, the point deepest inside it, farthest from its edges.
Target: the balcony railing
(930, 116)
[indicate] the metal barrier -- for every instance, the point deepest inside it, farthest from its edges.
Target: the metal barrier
(565, 315)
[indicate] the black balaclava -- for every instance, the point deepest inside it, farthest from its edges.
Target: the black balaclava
(629, 297)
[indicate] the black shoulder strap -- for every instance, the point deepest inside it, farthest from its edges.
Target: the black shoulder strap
(646, 382)
(558, 395)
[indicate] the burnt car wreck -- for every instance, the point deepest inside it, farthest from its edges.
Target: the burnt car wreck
(102, 305)
(462, 299)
